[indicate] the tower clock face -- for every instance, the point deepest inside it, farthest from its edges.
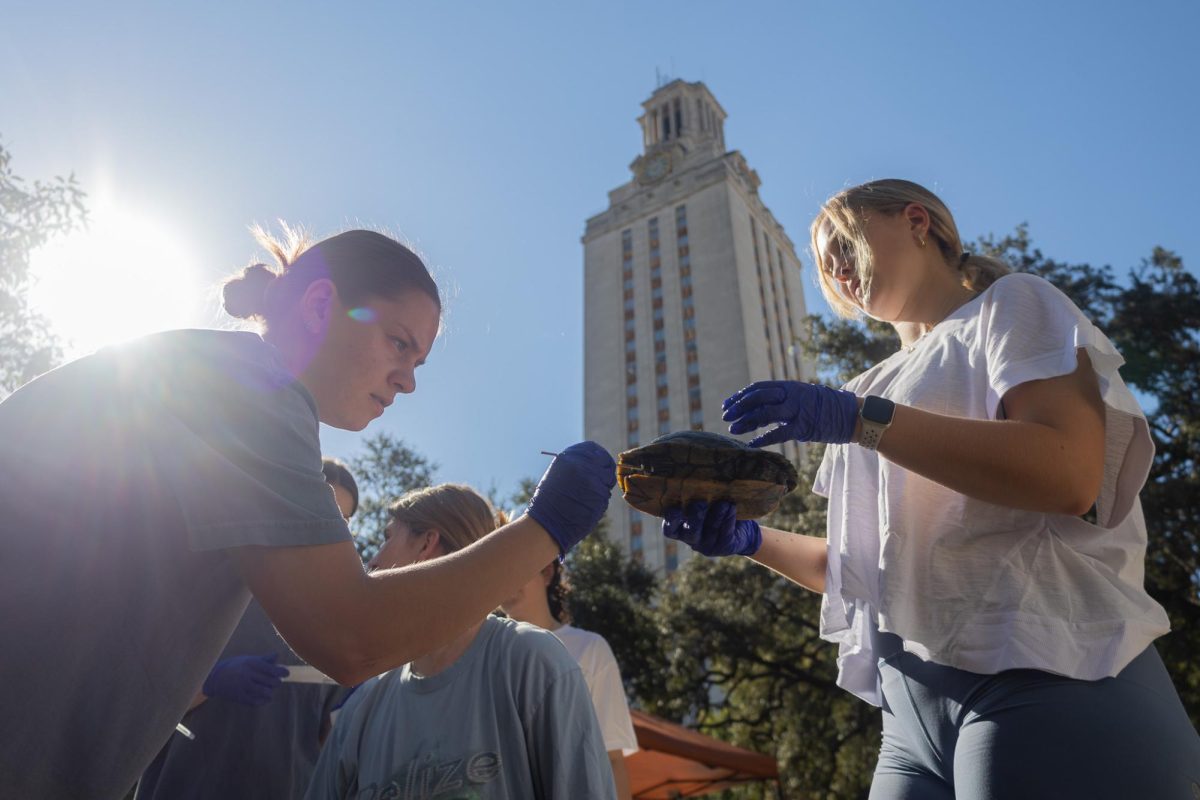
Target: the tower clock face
(656, 168)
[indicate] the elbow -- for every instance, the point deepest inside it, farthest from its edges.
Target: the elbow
(1078, 507)
(1079, 498)
(348, 671)
(348, 665)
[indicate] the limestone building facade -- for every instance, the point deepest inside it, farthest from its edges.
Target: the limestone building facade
(692, 289)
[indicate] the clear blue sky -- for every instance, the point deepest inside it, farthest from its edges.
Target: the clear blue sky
(486, 133)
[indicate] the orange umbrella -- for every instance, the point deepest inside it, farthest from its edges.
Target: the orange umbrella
(676, 762)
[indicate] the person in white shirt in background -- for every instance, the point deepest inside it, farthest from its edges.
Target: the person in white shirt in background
(983, 573)
(543, 602)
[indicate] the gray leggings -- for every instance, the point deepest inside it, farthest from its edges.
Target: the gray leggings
(1025, 734)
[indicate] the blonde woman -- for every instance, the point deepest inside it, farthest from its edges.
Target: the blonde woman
(501, 711)
(150, 488)
(543, 602)
(1007, 636)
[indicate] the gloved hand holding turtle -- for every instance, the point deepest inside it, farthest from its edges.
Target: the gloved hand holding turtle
(806, 412)
(713, 530)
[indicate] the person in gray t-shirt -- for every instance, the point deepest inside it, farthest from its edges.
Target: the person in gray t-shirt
(255, 737)
(502, 711)
(146, 487)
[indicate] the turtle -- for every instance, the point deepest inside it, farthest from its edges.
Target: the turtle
(678, 468)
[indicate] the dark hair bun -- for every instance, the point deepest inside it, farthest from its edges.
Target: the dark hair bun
(245, 296)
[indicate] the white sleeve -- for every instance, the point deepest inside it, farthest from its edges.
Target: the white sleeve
(608, 698)
(1032, 331)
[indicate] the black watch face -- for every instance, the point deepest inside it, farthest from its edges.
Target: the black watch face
(877, 409)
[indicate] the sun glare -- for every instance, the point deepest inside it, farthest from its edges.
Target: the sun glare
(123, 276)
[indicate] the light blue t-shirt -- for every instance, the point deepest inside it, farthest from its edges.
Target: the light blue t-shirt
(511, 718)
(123, 477)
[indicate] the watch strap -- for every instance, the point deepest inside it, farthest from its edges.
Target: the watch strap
(876, 417)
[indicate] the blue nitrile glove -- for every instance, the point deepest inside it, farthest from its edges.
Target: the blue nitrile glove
(249, 680)
(573, 494)
(806, 412)
(714, 531)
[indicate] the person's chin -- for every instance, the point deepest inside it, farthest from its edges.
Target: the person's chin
(351, 422)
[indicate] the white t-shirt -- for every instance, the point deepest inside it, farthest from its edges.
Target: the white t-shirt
(603, 677)
(970, 584)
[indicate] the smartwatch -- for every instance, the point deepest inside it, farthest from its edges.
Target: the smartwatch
(876, 415)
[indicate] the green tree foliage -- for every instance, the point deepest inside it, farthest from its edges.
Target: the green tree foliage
(386, 470)
(30, 216)
(614, 596)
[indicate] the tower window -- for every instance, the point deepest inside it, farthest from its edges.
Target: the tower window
(700, 113)
(666, 121)
(678, 117)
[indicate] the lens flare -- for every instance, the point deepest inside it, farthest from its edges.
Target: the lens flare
(361, 314)
(123, 276)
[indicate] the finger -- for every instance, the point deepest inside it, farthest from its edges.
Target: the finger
(269, 682)
(694, 518)
(719, 527)
(672, 522)
(782, 433)
(589, 452)
(269, 668)
(685, 528)
(763, 397)
(756, 418)
(740, 393)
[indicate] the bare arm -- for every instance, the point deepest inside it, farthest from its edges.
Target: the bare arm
(620, 774)
(1048, 455)
(352, 625)
(799, 558)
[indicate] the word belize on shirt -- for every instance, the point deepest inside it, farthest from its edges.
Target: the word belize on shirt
(423, 778)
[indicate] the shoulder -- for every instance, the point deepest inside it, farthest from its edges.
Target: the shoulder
(239, 355)
(584, 644)
(1024, 289)
(529, 646)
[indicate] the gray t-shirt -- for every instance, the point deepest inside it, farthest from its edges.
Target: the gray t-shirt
(246, 752)
(123, 475)
(511, 718)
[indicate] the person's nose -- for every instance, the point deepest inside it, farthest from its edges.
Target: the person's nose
(404, 380)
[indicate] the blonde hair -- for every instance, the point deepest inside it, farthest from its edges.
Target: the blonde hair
(843, 218)
(457, 512)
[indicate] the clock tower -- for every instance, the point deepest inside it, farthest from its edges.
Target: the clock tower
(681, 123)
(692, 290)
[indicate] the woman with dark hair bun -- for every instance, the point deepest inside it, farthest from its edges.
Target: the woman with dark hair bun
(543, 602)
(148, 486)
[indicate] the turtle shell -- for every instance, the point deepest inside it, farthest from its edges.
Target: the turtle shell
(680, 468)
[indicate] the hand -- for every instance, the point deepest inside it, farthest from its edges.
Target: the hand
(714, 531)
(806, 412)
(249, 680)
(573, 494)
